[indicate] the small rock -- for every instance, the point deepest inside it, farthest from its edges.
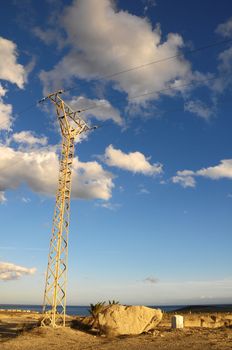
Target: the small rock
(155, 333)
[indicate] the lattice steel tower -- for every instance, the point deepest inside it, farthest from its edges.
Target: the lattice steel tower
(54, 304)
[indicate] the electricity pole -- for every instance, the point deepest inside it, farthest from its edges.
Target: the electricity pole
(54, 304)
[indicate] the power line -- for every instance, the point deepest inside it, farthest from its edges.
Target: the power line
(164, 112)
(182, 109)
(28, 108)
(135, 68)
(159, 91)
(172, 88)
(142, 95)
(20, 113)
(140, 67)
(201, 48)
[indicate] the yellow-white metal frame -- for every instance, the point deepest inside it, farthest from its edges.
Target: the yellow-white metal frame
(54, 304)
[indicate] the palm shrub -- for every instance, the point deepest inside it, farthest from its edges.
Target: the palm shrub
(95, 309)
(113, 302)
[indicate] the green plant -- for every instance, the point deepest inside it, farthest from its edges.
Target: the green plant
(96, 308)
(113, 302)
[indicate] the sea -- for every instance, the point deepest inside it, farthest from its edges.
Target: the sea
(84, 310)
(77, 310)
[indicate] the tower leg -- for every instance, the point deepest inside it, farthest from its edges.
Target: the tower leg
(54, 305)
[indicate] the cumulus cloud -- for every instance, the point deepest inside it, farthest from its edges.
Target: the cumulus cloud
(109, 205)
(135, 162)
(26, 200)
(6, 118)
(48, 36)
(143, 190)
(9, 271)
(199, 108)
(103, 110)
(91, 181)
(100, 41)
(29, 68)
(224, 59)
(27, 137)
(184, 178)
(10, 70)
(2, 197)
(225, 29)
(151, 280)
(223, 170)
(38, 168)
(148, 5)
(225, 71)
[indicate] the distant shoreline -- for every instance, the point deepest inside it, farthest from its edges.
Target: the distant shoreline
(83, 310)
(206, 308)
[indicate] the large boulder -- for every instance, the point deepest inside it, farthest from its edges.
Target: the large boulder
(125, 320)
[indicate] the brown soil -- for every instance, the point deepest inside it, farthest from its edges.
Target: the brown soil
(15, 334)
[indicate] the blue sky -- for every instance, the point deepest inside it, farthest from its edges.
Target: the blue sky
(152, 196)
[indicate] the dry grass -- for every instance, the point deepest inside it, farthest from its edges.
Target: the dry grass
(75, 339)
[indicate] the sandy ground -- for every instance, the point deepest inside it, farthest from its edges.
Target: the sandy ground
(66, 338)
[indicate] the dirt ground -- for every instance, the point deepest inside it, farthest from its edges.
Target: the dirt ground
(67, 338)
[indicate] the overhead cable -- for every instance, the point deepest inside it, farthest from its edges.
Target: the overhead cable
(159, 91)
(159, 61)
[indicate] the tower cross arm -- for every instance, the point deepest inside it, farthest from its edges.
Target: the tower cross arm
(66, 115)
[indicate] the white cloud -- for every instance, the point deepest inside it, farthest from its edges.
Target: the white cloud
(10, 70)
(9, 271)
(151, 280)
(183, 180)
(225, 29)
(109, 205)
(224, 58)
(48, 36)
(103, 110)
(199, 108)
(135, 162)
(26, 200)
(121, 189)
(90, 180)
(38, 168)
(148, 4)
(2, 197)
(143, 191)
(103, 40)
(223, 170)
(225, 70)
(13, 72)
(6, 118)
(29, 68)
(27, 137)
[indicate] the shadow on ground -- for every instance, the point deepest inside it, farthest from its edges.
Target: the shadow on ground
(81, 325)
(9, 330)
